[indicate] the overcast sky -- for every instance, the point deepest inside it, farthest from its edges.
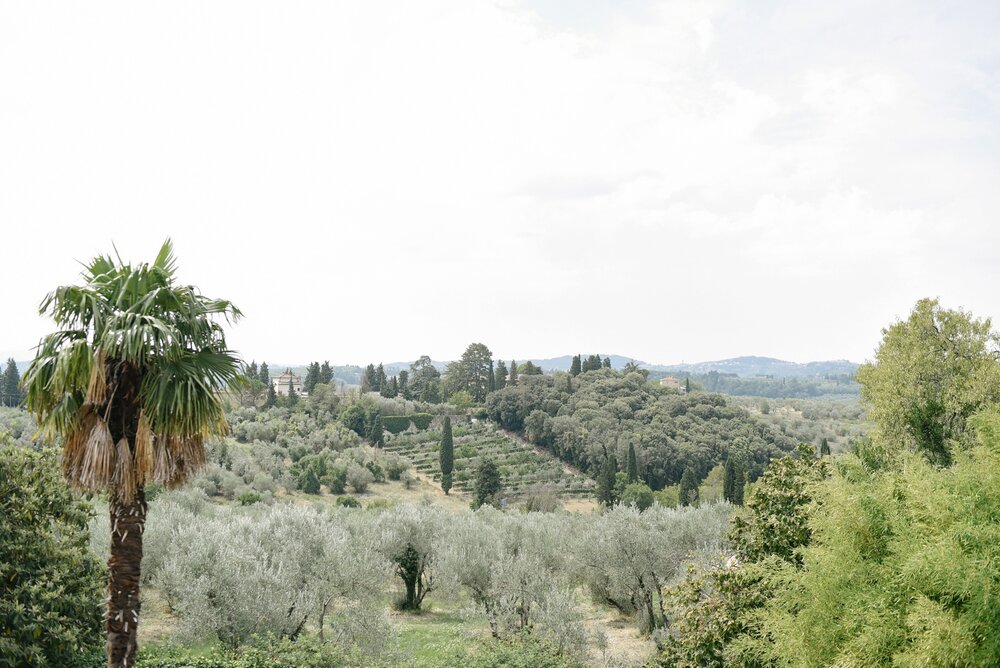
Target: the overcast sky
(379, 180)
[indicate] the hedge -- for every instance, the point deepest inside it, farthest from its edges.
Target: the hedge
(396, 424)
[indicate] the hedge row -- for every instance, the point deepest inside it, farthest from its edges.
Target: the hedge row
(397, 424)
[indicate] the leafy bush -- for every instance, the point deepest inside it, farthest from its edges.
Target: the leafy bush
(396, 424)
(261, 652)
(348, 502)
(50, 607)
(523, 651)
(421, 420)
(638, 494)
(359, 478)
(248, 498)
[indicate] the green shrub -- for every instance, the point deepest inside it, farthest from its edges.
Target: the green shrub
(422, 420)
(248, 498)
(396, 424)
(523, 651)
(305, 652)
(348, 502)
(50, 599)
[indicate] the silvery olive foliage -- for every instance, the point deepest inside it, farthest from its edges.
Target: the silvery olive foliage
(516, 570)
(628, 557)
(279, 569)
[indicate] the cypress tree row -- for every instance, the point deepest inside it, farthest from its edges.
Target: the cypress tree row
(732, 481)
(446, 457)
(574, 367)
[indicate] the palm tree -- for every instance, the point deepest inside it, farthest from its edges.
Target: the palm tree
(131, 383)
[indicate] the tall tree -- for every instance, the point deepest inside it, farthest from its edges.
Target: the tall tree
(689, 487)
(931, 373)
(270, 396)
(472, 372)
(446, 457)
(824, 448)
(132, 382)
(512, 377)
(312, 378)
(632, 469)
(493, 378)
(488, 482)
(376, 435)
(369, 383)
(606, 482)
(252, 371)
(733, 481)
(394, 387)
(501, 375)
(606, 363)
(404, 387)
(11, 386)
(265, 374)
(575, 367)
(293, 397)
(380, 378)
(425, 380)
(326, 373)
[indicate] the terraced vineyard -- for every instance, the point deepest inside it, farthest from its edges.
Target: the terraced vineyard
(520, 464)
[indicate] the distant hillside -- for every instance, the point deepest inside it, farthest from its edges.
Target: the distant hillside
(563, 363)
(764, 366)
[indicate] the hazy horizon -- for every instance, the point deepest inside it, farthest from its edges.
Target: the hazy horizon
(670, 180)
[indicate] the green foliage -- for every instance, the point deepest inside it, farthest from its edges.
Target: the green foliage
(421, 420)
(52, 588)
(446, 458)
(471, 373)
(669, 431)
(250, 498)
(376, 434)
(606, 481)
(931, 373)
(521, 651)
(10, 385)
(488, 483)
(348, 502)
(688, 492)
(778, 521)
(733, 483)
(632, 466)
(638, 494)
(903, 568)
(261, 652)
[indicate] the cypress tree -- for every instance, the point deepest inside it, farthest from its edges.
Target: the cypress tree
(404, 380)
(574, 368)
(377, 433)
(607, 363)
(293, 396)
(689, 487)
(512, 378)
(394, 387)
(488, 482)
(501, 375)
(252, 372)
(370, 381)
(824, 448)
(732, 481)
(380, 378)
(271, 397)
(446, 457)
(326, 373)
(569, 383)
(687, 385)
(493, 379)
(312, 378)
(265, 374)
(632, 469)
(606, 483)
(11, 389)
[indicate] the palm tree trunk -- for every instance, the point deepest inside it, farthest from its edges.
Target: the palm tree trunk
(128, 521)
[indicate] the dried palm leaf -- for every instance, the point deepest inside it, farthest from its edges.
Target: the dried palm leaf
(124, 475)
(98, 458)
